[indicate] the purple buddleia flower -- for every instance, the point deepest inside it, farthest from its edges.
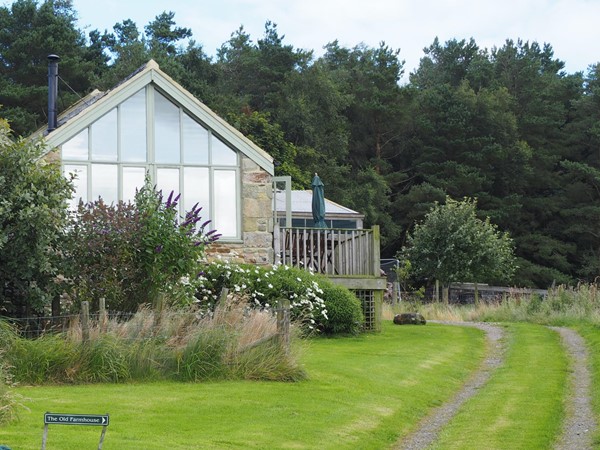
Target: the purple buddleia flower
(168, 204)
(176, 200)
(158, 248)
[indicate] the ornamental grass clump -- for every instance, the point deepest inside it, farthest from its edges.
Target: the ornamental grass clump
(234, 341)
(563, 305)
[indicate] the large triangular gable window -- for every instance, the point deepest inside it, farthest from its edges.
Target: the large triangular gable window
(149, 133)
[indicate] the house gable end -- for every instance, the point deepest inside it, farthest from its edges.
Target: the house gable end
(177, 94)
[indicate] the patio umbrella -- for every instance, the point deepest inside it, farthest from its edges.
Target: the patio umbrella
(318, 203)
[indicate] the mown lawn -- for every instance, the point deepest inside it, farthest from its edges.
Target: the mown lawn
(362, 392)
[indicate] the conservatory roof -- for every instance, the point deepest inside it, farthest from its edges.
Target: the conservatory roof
(95, 105)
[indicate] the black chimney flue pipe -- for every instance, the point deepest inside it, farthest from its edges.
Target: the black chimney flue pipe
(52, 91)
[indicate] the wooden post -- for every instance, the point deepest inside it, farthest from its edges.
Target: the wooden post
(85, 321)
(436, 293)
(223, 296)
(376, 260)
(283, 323)
(158, 312)
(102, 317)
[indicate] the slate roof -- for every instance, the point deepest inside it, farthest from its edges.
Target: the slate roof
(302, 205)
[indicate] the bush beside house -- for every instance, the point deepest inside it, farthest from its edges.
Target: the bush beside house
(315, 301)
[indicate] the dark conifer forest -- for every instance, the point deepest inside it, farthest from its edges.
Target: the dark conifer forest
(507, 125)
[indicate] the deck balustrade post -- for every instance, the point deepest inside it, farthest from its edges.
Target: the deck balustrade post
(376, 257)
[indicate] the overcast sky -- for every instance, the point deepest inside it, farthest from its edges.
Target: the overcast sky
(570, 26)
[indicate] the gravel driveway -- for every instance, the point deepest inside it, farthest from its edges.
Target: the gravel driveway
(580, 423)
(432, 425)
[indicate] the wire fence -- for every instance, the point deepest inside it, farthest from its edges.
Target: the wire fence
(34, 327)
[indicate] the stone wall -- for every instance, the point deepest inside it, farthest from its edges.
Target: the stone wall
(257, 220)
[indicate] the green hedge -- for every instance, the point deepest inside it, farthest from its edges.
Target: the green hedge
(344, 310)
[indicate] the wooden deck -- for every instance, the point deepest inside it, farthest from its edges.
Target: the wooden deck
(329, 251)
(348, 257)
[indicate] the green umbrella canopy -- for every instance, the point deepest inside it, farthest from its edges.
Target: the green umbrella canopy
(318, 203)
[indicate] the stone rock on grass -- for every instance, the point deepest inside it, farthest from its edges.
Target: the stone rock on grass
(409, 319)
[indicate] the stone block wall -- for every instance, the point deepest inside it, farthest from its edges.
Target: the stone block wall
(257, 220)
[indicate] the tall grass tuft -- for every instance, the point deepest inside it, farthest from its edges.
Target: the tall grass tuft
(562, 306)
(234, 341)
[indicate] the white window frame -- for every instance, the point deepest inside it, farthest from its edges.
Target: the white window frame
(150, 166)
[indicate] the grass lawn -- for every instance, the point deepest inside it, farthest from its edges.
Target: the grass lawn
(521, 407)
(362, 392)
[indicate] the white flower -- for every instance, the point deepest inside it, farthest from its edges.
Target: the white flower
(270, 286)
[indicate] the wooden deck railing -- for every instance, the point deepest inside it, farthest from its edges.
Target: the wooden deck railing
(330, 251)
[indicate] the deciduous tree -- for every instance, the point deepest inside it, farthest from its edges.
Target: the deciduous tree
(452, 244)
(33, 217)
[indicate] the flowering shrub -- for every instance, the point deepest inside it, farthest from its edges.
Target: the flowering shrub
(136, 253)
(101, 255)
(171, 249)
(266, 285)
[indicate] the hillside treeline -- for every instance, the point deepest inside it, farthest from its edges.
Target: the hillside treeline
(506, 125)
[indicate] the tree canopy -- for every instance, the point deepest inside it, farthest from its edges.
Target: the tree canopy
(506, 125)
(33, 219)
(452, 244)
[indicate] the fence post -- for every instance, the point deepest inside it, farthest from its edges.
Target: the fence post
(223, 296)
(85, 321)
(102, 316)
(283, 323)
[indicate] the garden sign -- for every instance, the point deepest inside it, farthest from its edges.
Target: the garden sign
(75, 419)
